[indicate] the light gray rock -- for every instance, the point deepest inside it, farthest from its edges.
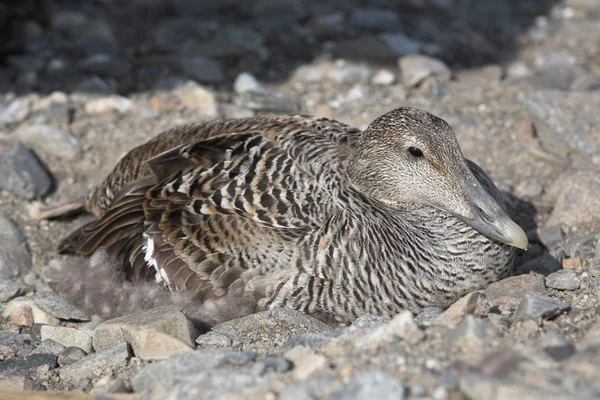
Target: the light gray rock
(416, 68)
(215, 339)
(238, 359)
(402, 326)
(550, 236)
(578, 201)
(564, 76)
(383, 77)
(166, 373)
(371, 385)
(508, 292)
(270, 364)
(47, 139)
(267, 100)
(368, 320)
(565, 279)
(15, 259)
(154, 334)
(482, 387)
(16, 111)
(22, 173)
(246, 82)
(34, 365)
(534, 306)
(318, 387)
(471, 334)
(19, 383)
(49, 346)
(457, 311)
(58, 307)
(10, 289)
(68, 336)
(70, 355)
(94, 365)
(344, 72)
(199, 98)
(428, 315)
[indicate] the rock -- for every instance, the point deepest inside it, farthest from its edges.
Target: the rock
(267, 100)
(95, 364)
(33, 365)
(383, 77)
(39, 315)
(428, 315)
(22, 173)
(56, 306)
(565, 279)
(416, 68)
(343, 72)
(471, 334)
(270, 364)
(318, 387)
(509, 291)
(214, 339)
(328, 24)
(402, 326)
(69, 23)
(18, 383)
(198, 98)
(400, 44)
(517, 70)
(26, 62)
(564, 76)
(306, 362)
(246, 82)
(154, 334)
(105, 65)
(70, 355)
(238, 359)
(49, 346)
(232, 111)
(112, 103)
(536, 307)
(482, 387)
(17, 110)
(366, 47)
(544, 264)
(68, 337)
(578, 201)
(14, 254)
(202, 69)
(10, 344)
(10, 289)
(550, 236)
(22, 316)
(371, 385)
(572, 263)
(95, 85)
(375, 19)
(529, 189)
(272, 325)
(368, 321)
(165, 373)
(457, 311)
(557, 346)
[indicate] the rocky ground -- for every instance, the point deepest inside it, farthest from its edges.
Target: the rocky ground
(83, 82)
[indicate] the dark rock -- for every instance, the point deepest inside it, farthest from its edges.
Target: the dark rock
(314, 341)
(374, 19)
(371, 385)
(365, 47)
(544, 264)
(31, 365)
(201, 69)
(215, 339)
(49, 346)
(534, 306)
(70, 355)
(272, 364)
(400, 44)
(557, 346)
(95, 84)
(565, 279)
(26, 62)
(10, 289)
(105, 66)
(58, 307)
(22, 173)
(238, 359)
(15, 259)
(95, 364)
(10, 343)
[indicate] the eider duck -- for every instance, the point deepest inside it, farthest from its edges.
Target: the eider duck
(306, 213)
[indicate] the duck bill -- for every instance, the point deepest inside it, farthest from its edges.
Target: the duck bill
(489, 218)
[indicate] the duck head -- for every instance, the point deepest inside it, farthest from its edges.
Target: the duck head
(408, 156)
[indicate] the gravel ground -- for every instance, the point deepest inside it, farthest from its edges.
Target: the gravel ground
(82, 83)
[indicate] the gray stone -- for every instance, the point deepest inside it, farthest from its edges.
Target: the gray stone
(26, 62)
(105, 65)
(313, 341)
(270, 364)
(565, 279)
(383, 77)
(202, 69)
(343, 72)
(368, 320)
(416, 68)
(31, 365)
(482, 387)
(276, 324)
(550, 236)
(215, 339)
(557, 346)
(95, 85)
(318, 387)
(238, 359)
(366, 47)
(95, 364)
(564, 76)
(534, 306)
(167, 372)
(154, 334)
(402, 326)
(375, 19)
(10, 343)
(69, 22)
(267, 100)
(544, 264)
(19, 383)
(428, 315)
(578, 200)
(199, 98)
(457, 311)
(58, 307)
(509, 291)
(245, 82)
(70, 355)
(529, 188)
(10, 289)
(471, 334)
(16, 111)
(68, 336)
(49, 346)
(15, 259)
(400, 44)
(22, 173)
(371, 385)
(248, 40)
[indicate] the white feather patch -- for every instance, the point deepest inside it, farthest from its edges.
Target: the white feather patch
(148, 248)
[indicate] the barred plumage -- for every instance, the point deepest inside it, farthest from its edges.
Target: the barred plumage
(305, 212)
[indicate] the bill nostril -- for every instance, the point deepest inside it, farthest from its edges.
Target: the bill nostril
(485, 215)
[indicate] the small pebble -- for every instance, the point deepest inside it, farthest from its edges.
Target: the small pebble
(565, 279)
(70, 355)
(383, 77)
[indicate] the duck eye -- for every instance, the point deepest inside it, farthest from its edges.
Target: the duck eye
(415, 152)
